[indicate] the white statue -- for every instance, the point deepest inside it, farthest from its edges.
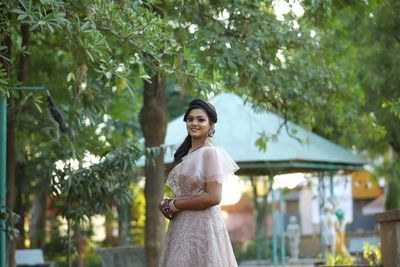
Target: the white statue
(293, 234)
(330, 224)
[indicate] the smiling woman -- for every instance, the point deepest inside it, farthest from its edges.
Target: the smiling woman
(197, 235)
(198, 126)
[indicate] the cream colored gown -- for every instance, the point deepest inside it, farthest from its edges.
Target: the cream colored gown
(198, 238)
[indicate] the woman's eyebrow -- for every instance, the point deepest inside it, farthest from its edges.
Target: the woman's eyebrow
(198, 116)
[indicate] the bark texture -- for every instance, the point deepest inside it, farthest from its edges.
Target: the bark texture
(153, 121)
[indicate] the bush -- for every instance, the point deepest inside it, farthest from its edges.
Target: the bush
(372, 254)
(339, 259)
(91, 260)
(249, 252)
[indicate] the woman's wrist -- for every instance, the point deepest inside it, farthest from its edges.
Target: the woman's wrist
(172, 206)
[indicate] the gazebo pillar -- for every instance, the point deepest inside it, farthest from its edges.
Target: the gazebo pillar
(282, 227)
(274, 230)
(257, 217)
(321, 193)
(281, 219)
(331, 185)
(268, 189)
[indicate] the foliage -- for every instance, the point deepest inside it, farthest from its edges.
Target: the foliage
(75, 59)
(243, 47)
(339, 259)
(249, 251)
(359, 40)
(395, 107)
(9, 218)
(92, 80)
(108, 181)
(138, 217)
(372, 254)
(58, 241)
(91, 260)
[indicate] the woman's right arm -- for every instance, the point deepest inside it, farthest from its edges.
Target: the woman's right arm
(209, 198)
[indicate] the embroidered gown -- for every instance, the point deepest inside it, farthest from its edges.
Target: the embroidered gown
(198, 238)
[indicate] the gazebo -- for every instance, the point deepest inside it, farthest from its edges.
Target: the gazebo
(290, 149)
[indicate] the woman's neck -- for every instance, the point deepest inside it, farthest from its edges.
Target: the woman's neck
(197, 143)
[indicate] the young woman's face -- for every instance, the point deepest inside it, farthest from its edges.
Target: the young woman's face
(197, 123)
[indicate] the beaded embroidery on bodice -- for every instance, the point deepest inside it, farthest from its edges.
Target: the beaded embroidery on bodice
(182, 185)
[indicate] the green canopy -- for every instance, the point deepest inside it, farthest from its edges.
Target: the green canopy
(239, 126)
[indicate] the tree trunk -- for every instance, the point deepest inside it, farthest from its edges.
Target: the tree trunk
(20, 204)
(109, 229)
(80, 246)
(11, 161)
(153, 121)
(6, 53)
(38, 219)
(11, 151)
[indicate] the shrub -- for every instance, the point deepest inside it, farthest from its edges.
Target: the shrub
(372, 254)
(339, 259)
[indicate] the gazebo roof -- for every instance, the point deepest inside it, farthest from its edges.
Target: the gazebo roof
(238, 128)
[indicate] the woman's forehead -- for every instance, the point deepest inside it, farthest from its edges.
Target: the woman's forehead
(196, 112)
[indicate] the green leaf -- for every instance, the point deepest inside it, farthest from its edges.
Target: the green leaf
(18, 11)
(22, 16)
(38, 107)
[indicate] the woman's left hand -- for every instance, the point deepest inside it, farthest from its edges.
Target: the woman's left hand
(165, 209)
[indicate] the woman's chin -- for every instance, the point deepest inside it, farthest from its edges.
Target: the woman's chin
(197, 136)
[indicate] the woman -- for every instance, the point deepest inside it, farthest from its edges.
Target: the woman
(197, 236)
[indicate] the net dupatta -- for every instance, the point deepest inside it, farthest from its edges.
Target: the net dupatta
(209, 163)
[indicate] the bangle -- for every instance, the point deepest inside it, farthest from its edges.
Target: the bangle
(172, 206)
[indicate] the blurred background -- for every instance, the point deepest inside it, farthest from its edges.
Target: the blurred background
(88, 89)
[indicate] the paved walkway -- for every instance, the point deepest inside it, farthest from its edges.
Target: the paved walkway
(278, 265)
(289, 263)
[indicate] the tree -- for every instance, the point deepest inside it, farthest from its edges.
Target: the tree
(360, 41)
(14, 73)
(70, 48)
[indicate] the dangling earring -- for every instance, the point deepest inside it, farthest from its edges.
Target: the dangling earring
(211, 132)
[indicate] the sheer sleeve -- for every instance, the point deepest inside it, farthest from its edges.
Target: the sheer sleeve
(214, 164)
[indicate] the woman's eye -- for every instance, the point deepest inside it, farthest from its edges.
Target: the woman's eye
(201, 120)
(190, 119)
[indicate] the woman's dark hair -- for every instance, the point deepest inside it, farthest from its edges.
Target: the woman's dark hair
(183, 149)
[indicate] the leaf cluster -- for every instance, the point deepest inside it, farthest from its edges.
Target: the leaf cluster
(92, 189)
(9, 219)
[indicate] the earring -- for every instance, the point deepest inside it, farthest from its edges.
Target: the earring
(211, 133)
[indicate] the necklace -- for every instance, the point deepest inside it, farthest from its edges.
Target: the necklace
(191, 150)
(206, 141)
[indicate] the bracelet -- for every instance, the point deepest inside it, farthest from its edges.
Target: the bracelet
(172, 206)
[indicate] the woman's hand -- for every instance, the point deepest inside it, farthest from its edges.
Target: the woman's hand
(165, 208)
